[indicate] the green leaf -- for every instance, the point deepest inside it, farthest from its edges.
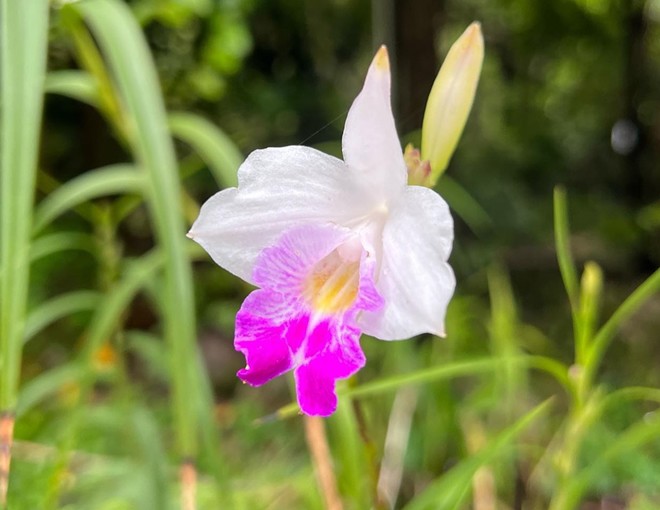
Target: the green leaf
(465, 205)
(451, 370)
(149, 349)
(451, 489)
(127, 55)
(212, 145)
(109, 180)
(79, 85)
(455, 369)
(354, 477)
(46, 385)
(109, 310)
(562, 245)
(642, 432)
(23, 49)
(632, 304)
(59, 241)
(58, 307)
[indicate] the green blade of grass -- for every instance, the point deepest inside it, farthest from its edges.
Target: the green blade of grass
(463, 368)
(456, 369)
(603, 338)
(59, 241)
(46, 385)
(126, 52)
(109, 180)
(109, 310)
(78, 85)
(213, 146)
(644, 431)
(349, 450)
(58, 307)
(24, 27)
(464, 205)
(137, 274)
(503, 329)
(562, 245)
(450, 490)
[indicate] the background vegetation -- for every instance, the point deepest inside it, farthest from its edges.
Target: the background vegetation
(544, 393)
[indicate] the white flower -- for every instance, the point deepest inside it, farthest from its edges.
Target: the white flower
(336, 247)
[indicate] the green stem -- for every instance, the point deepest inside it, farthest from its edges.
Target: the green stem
(23, 48)
(24, 26)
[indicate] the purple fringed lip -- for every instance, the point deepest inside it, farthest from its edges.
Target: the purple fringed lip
(278, 329)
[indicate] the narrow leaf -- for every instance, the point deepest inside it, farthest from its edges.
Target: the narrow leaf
(78, 85)
(212, 145)
(59, 307)
(450, 491)
(23, 48)
(109, 180)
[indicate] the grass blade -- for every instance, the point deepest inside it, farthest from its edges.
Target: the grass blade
(23, 61)
(562, 245)
(636, 436)
(127, 54)
(23, 48)
(109, 180)
(47, 384)
(213, 146)
(78, 85)
(603, 338)
(465, 205)
(456, 369)
(450, 491)
(58, 307)
(59, 241)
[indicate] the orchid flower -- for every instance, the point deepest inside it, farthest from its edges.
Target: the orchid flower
(336, 248)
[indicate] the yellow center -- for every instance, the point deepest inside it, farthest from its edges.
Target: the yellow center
(332, 285)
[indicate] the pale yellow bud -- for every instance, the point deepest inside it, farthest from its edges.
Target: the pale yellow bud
(451, 99)
(592, 281)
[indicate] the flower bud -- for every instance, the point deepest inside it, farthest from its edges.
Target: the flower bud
(451, 99)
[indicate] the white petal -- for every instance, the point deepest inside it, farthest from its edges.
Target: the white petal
(415, 279)
(370, 143)
(278, 188)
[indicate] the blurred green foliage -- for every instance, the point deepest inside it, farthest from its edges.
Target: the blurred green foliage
(568, 96)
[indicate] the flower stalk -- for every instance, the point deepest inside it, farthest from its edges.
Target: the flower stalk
(23, 48)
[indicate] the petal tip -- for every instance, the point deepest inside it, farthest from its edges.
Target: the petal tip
(382, 60)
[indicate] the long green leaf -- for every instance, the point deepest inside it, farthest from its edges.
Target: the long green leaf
(213, 146)
(78, 85)
(109, 310)
(642, 432)
(456, 369)
(59, 241)
(632, 304)
(47, 384)
(127, 54)
(351, 457)
(562, 245)
(109, 180)
(23, 33)
(58, 307)
(464, 204)
(450, 491)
